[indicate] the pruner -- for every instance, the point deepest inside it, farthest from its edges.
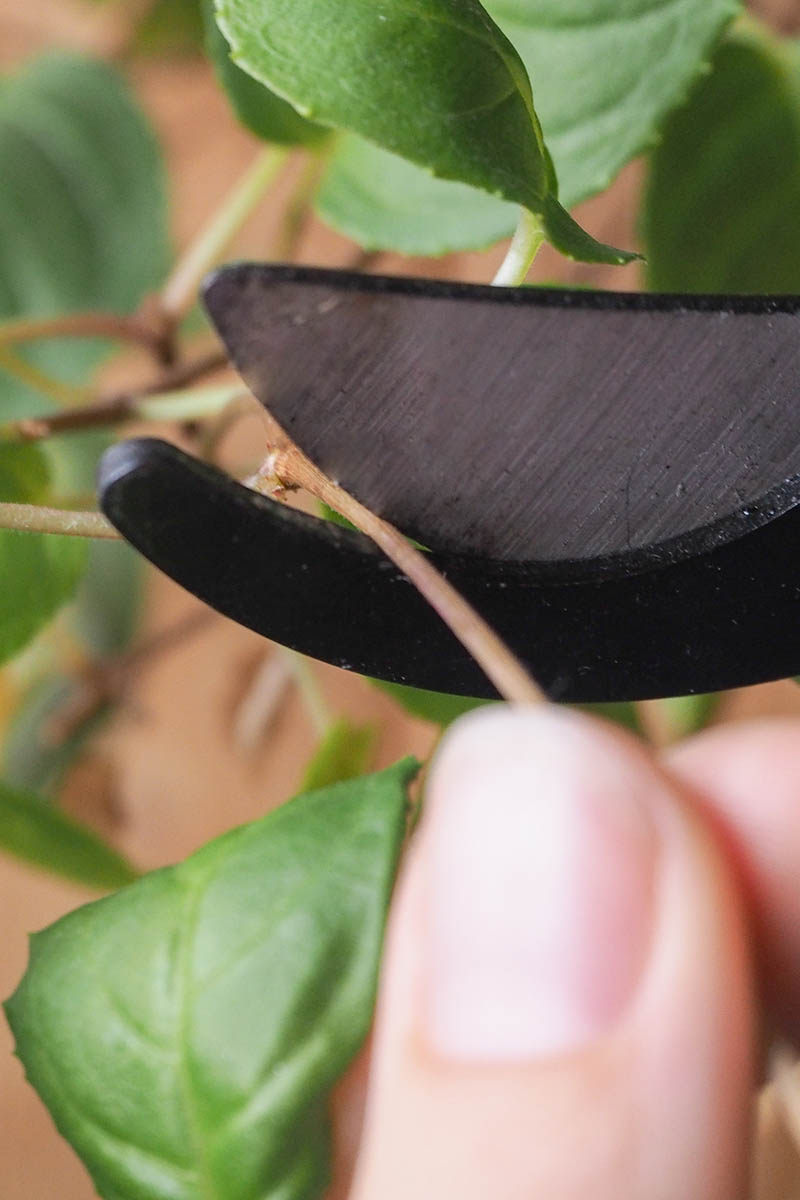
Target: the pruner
(612, 480)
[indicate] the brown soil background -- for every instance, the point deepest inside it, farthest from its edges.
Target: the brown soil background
(168, 775)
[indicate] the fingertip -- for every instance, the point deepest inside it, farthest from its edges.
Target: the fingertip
(566, 966)
(746, 778)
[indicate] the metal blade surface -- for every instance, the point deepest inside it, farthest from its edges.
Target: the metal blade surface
(636, 626)
(523, 424)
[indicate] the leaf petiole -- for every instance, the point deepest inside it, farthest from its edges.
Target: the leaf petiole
(525, 245)
(180, 290)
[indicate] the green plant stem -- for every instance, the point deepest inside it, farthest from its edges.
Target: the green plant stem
(188, 406)
(179, 292)
(160, 399)
(35, 518)
(299, 209)
(525, 245)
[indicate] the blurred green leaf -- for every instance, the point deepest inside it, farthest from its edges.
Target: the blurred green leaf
(185, 1033)
(32, 756)
(38, 572)
(24, 473)
(170, 26)
(109, 599)
(621, 712)
(83, 215)
(439, 708)
(344, 753)
(685, 715)
(262, 112)
(604, 75)
(439, 85)
(723, 196)
(35, 831)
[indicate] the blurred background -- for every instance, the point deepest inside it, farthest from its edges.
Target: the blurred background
(208, 728)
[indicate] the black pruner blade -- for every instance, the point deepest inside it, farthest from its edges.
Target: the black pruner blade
(613, 481)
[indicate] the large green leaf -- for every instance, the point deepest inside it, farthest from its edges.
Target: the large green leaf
(723, 196)
(82, 207)
(435, 82)
(35, 831)
(185, 1033)
(262, 112)
(604, 74)
(38, 572)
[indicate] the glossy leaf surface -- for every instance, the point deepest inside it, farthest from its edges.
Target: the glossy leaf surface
(604, 75)
(437, 83)
(257, 107)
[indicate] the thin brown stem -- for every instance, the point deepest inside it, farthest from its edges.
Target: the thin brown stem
(289, 467)
(56, 391)
(81, 325)
(114, 408)
(365, 260)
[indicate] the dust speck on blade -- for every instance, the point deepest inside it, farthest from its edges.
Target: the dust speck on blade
(329, 305)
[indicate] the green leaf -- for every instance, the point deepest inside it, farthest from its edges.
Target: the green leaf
(723, 195)
(24, 473)
(185, 1033)
(109, 599)
(439, 708)
(604, 75)
(384, 202)
(38, 573)
(83, 220)
(262, 112)
(344, 753)
(35, 831)
(436, 83)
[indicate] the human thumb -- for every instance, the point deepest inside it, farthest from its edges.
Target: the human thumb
(565, 1008)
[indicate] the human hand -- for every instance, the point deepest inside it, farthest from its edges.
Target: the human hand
(568, 1003)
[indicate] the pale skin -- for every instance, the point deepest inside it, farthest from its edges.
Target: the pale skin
(587, 944)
